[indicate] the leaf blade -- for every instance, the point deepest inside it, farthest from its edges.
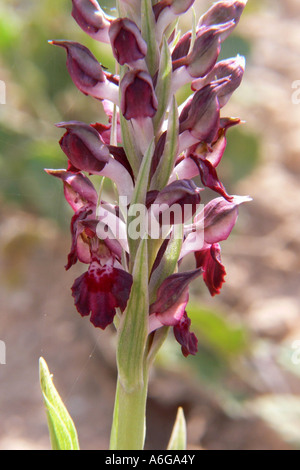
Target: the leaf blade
(178, 437)
(63, 434)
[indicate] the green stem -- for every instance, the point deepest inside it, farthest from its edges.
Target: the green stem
(129, 420)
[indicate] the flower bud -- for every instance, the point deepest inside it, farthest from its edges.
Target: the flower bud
(172, 291)
(91, 18)
(87, 73)
(201, 116)
(128, 46)
(219, 217)
(182, 47)
(78, 189)
(204, 53)
(83, 146)
(223, 12)
(166, 11)
(138, 98)
(232, 69)
(176, 6)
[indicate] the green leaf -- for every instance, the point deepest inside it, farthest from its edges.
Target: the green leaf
(163, 87)
(178, 437)
(63, 434)
(167, 161)
(133, 330)
(148, 33)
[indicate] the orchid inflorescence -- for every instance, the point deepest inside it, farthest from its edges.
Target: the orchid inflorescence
(151, 149)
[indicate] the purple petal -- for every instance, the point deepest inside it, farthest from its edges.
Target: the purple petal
(100, 291)
(201, 117)
(213, 270)
(223, 12)
(233, 69)
(182, 48)
(138, 97)
(187, 340)
(78, 189)
(219, 217)
(90, 17)
(80, 249)
(87, 73)
(172, 289)
(83, 146)
(128, 46)
(210, 178)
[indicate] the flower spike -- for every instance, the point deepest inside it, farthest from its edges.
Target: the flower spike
(151, 150)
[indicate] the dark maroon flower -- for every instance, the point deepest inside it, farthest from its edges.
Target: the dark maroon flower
(172, 289)
(86, 151)
(187, 339)
(100, 291)
(78, 189)
(176, 6)
(87, 73)
(232, 69)
(182, 48)
(201, 116)
(209, 177)
(205, 51)
(222, 12)
(166, 11)
(128, 46)
(83, 146)
(138, 96)
(213, 225)
(186, 165)
(209, 259)
(80, 247)
(169, 309)
(90, 17)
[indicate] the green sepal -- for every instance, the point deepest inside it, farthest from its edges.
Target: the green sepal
(178, 437)
(133, 329)
(139, 194)
(129, 145)
(163, 87)
(167, 160)
(63, 434)
(148, 32)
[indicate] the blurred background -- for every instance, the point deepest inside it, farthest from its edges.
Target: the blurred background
(242, 390)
